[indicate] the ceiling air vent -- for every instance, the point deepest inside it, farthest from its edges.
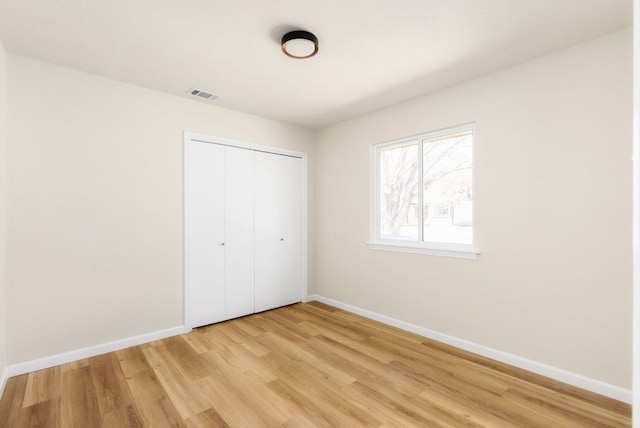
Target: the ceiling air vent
(202, 95)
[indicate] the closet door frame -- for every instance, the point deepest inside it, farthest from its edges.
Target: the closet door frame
(188, 137)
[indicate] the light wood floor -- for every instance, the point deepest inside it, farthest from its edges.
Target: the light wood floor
(306, 365)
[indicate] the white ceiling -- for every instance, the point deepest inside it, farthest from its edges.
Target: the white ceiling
(373, 53)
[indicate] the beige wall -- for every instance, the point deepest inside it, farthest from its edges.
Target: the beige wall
(552, 214)
(3, 210)
(95, 204)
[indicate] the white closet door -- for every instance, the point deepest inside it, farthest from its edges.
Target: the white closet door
(239, 237)
(291, 289)
(278, 231)
(205, 236)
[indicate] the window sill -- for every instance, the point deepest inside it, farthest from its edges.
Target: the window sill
(460, 251)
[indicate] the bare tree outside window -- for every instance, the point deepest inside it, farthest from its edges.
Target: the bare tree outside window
(439, 167)
(447, 188)
(399, 187)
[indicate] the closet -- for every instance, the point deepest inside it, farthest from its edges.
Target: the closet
(244, 229)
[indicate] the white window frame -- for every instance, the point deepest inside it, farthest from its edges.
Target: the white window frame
(463, 251)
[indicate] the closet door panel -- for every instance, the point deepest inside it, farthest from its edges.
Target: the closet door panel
(239, 236)
(205, 185)
(290, 216)
(267, 236)
(278, 231)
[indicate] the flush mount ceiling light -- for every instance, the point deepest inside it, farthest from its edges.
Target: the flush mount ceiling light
(299, 44)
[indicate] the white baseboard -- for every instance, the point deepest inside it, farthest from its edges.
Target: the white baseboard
(92, 351)
(561, 375)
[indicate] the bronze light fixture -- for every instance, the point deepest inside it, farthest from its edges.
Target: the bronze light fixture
(299, 44)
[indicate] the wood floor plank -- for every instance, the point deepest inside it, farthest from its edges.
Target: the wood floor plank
(241, 381)
(305, 365)
(132, 361)
(38, 415)
(112, 392)
(238, 356)
(42, 386)
(78, 400)
(11, 401)
(320, 387)
(207, 419)
(198, 341)
(184, 357)
(156, 410)
(309, 412)
(227, 398)
(181, 389)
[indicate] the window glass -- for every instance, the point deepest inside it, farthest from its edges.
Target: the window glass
(425, 190)
(399, 213)
(447, 190)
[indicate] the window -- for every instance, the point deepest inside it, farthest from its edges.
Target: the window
(424, 194)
